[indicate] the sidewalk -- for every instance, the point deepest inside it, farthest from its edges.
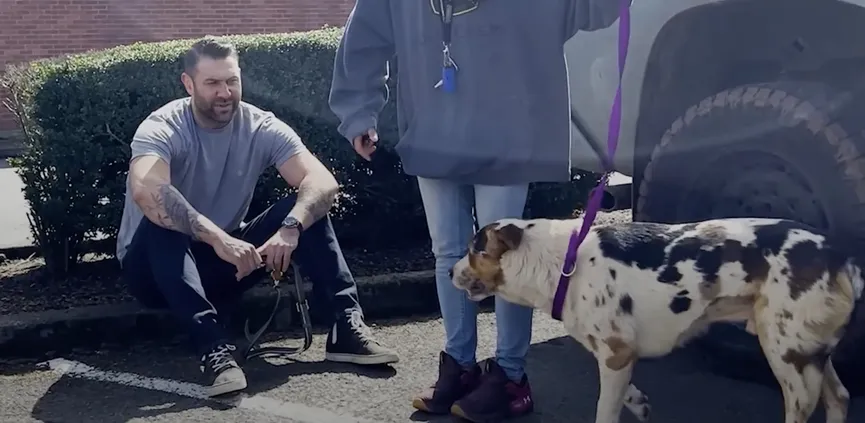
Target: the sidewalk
(14, 228)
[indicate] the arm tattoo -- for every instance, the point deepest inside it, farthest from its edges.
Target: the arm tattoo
(314, 200)
(169, 209)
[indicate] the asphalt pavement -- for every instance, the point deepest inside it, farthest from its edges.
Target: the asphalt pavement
(161, 384)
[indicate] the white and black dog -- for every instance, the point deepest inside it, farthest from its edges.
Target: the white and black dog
(643, 289)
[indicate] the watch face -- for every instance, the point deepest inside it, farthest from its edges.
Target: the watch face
(291, 222)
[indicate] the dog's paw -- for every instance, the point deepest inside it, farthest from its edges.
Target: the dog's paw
(643, 412)
(638, 403)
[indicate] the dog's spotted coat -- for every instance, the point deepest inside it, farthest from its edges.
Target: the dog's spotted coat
(643, 289)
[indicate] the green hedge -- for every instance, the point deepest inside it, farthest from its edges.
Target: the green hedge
(79, 112)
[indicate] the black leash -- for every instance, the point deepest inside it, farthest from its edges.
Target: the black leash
(253, 350)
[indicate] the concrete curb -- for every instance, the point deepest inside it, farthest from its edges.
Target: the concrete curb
(17, 252)
(40, 335)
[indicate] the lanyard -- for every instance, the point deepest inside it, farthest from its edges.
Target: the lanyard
(447, 16)
(449, 67)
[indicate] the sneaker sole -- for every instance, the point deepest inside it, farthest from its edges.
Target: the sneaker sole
(457, 411)
(422, 405)
(226, 388)
(362, 359)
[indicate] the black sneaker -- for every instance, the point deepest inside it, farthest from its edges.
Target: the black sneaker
(221, 371)
(351, 341)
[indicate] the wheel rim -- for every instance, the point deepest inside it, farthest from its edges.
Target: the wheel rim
(752, 184)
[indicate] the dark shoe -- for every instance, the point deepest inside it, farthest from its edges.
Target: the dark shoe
(221, 371)
(454, 382)
(351, 341)
(497, 398)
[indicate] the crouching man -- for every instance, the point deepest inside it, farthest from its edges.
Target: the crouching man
(182, 243)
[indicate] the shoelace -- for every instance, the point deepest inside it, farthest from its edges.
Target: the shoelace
(355, 319)
(221, 357)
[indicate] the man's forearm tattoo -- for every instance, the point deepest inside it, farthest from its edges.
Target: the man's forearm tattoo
(172, 211)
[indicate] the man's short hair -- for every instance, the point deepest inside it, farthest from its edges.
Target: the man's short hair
(209, 47)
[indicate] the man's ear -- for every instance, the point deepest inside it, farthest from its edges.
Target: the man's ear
(510, 236)
(186, 79)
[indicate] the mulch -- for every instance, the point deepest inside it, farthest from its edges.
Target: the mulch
(26, 286)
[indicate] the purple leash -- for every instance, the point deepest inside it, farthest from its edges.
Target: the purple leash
(570, 264)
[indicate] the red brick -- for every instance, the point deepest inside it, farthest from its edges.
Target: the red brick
(33, 29)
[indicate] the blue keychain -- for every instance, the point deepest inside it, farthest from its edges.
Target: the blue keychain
(448, 83)
(449, 77)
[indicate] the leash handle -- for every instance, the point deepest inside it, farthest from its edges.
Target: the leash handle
(594, 203)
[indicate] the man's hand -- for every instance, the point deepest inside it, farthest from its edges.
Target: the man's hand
(241, 254)
(364, 144)
(278, 249)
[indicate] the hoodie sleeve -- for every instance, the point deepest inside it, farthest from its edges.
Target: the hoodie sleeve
(592, 15)
(358, 90)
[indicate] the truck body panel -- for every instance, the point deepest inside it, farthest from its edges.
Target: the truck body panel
(593, 76)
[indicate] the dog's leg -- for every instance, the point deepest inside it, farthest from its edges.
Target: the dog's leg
(794, 363)
(614, 386)
(615, 366)
(801, 386)
(836, 399)
(638, 403)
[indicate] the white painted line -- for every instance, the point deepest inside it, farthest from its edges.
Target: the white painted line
(296, 412)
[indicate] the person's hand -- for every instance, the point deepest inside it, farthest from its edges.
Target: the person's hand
(278, 249)
(364, 144)
(241, 254)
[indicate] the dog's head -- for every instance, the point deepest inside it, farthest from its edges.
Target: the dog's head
(480, 272)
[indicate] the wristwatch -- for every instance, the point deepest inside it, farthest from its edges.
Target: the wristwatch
(292, 223)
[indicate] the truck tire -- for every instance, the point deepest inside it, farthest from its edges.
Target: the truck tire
(787, 150)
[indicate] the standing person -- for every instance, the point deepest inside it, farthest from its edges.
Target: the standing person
(183, 244)
(483, 107)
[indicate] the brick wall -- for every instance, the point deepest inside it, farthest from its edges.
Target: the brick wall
(32, 29)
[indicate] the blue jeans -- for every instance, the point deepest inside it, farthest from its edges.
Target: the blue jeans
(448, 208)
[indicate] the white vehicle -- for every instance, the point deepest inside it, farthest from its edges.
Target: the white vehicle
(734, 108)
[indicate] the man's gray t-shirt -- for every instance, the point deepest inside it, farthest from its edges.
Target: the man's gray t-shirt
(216, 170)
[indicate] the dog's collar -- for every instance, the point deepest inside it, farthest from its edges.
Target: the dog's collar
(570, 264)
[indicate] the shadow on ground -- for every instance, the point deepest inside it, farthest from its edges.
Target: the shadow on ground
(563, 376)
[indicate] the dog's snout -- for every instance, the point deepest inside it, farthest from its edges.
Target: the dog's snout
(451, 273)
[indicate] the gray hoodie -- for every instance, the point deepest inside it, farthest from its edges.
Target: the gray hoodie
(508, 120)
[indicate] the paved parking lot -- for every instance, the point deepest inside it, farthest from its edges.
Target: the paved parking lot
(160, 384)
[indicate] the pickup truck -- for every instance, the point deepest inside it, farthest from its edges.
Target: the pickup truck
(776, 86)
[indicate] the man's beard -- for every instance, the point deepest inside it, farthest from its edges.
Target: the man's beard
(218, 112)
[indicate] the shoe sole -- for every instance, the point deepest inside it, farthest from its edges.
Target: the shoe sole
(362, 359)
(226, 388)
(421, 405)
(457, 411)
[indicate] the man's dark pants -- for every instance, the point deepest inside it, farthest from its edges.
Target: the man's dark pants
(167, 269)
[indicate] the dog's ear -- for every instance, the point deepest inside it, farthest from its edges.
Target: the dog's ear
(510, 236)
(479, 241)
